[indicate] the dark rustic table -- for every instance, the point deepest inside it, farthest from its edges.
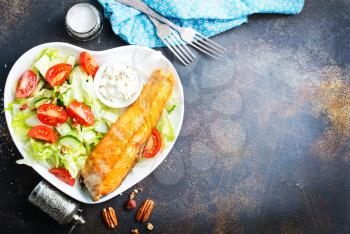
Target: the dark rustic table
(264, 143)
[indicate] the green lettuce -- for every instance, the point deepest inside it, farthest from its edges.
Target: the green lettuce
(171, 105)
(42, 151)
(19, 125)
(52, 156)
(165, 127)
(73, 161)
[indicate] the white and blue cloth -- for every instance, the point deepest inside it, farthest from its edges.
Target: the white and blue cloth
(208, 17)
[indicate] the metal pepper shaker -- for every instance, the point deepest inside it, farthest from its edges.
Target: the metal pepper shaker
(55, 204)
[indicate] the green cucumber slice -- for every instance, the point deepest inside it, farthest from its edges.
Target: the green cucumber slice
(71, 60)
(70, 142)
(43, 64)
(41, 101)
(63, 129)
(38, 88)
(88, 136)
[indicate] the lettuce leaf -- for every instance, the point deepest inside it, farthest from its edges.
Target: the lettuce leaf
(165, 127)
(65, 96)
(52, 156)
(19, 125)
(170, 108)
(171, 104)
(43, 151)
(73, 161)
(14, 106)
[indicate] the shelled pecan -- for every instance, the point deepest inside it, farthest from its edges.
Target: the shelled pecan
(145, 211)
(109, 217)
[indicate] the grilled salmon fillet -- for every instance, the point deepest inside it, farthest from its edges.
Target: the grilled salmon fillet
(116, 154)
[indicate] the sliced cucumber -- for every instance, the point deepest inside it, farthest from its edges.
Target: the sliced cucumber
(88, 148)
(56, 60)
(32, 121)
(71, 60)
(41, 101)
(63, 129)
(110, 117)
(43, 64)
(76, 79)
(45, 93)
(38, 88)
(67, 97)
(70, 142)
(88, 136)
(101, 127)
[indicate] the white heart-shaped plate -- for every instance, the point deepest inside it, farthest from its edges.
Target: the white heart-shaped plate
(145, 59)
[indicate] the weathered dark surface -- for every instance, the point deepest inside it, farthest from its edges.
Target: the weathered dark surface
(264, 144)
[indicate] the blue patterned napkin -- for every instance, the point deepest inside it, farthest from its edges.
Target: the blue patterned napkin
(209, 17)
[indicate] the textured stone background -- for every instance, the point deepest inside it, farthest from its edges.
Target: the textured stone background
(264, 144)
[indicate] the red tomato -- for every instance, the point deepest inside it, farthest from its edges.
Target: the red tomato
(57, 74)
(26, 84)
(52, 115)
(153, 145)
(63, 174)
(80, 113)
(88, 63)
(44, 133)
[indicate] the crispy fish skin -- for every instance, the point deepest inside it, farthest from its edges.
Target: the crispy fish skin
(119, 150)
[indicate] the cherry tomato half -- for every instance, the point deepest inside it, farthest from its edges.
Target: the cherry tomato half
(26, 84)
(44, 133)
(52, 115)
(88, 63)
(153, 145)
(80, 113)
(57, 74)
(63, 174)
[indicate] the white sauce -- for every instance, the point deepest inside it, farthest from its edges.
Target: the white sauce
(81, 18)
(119, 81)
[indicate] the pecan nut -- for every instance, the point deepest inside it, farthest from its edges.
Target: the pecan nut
(109, 217)
(145, 211)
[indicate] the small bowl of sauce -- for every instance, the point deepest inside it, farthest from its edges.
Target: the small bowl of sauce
(117, 84)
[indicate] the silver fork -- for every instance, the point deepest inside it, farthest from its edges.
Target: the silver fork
(172, 40)
(188, 35)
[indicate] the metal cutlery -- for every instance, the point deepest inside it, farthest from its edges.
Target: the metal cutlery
(173, 41)
(188, 35)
